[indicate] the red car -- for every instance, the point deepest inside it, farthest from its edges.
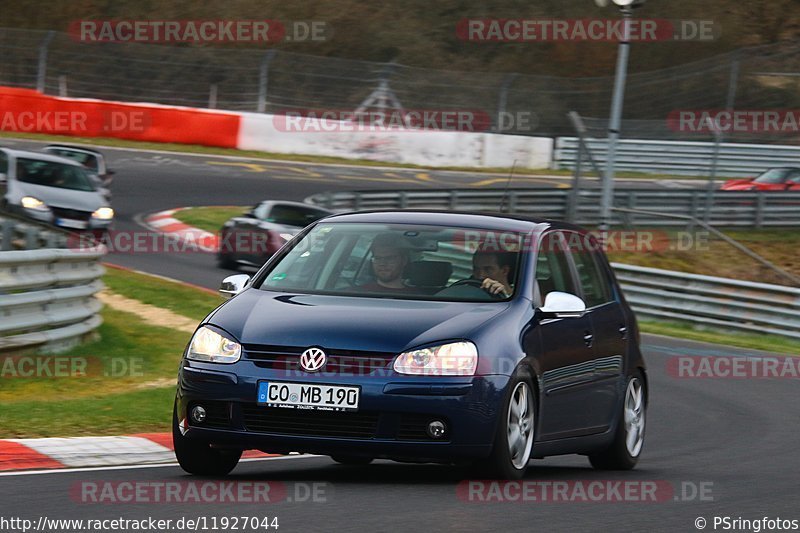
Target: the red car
(774, 179)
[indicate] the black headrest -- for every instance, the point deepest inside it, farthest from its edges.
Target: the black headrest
(428, 273)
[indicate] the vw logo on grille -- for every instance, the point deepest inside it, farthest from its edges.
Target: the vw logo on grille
(313, 360)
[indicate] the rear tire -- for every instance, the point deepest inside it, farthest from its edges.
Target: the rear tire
(516, 430)
(624, 452)
(352, 460)
(199, 458)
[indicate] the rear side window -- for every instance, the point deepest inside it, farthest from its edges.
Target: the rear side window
(552, 268)
(3, 163)
(593, 279)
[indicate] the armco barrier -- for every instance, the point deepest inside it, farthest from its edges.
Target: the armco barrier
(47, 297)
(653, 293)
(710, 301)
(46, 290)
(27, 111)
(679, 157)
(728, 208)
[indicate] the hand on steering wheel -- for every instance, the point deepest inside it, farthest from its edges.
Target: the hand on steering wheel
(494, 288)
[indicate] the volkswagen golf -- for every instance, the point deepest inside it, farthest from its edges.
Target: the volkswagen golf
(422, 337)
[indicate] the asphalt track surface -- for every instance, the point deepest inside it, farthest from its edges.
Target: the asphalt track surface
(147, 182)
(721, 447)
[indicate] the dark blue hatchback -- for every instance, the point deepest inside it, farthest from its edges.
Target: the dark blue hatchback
(418, 336)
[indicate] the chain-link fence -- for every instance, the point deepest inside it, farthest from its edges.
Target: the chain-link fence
(276, 81)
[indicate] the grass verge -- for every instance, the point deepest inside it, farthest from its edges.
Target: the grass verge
(704, 254)
(129, 380)
(209, 218)
(736, 339)
(181, 299)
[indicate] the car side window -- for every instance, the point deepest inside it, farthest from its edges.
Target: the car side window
(794, 178)
(3, 163)
(552, 268)
(261, 211)
(595, 284)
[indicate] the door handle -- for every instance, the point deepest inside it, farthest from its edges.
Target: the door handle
(588, 338)
(623, 331)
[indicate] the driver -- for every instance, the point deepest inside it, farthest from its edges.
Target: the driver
(493, 270)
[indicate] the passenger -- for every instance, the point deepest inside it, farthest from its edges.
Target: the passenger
(390, 255)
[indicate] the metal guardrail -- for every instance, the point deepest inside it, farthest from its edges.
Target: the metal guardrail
(47, 297)
(653, 293)
(21, 234)
(679, 157)
(710, 301)
(46, 294)
(727, 208)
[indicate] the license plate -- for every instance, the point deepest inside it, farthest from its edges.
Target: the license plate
(308, 396)
(75, 224)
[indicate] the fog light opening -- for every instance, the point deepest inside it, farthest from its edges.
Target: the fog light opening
(198, 414)
(436, 429)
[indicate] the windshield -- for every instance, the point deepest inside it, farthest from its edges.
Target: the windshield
(85, 159)
(399, 261)
(52, 174)
(772, 176)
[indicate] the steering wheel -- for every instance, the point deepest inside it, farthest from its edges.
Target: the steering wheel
(478, 284)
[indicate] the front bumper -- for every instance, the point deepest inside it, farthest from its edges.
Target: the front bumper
(394, 411)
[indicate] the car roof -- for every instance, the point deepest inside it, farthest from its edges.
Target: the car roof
(478, 220)
(293, 204)
(76, 148)
(39, 156)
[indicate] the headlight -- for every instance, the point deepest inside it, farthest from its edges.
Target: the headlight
(208, 345)
(104, 213)
(34, 204)
(454, 359)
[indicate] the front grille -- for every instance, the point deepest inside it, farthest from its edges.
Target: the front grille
(360, 425)
(414, 426)
(218, 415)
(350, 362)
(72, 214)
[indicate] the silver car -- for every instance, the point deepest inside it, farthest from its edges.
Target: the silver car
(52, 189)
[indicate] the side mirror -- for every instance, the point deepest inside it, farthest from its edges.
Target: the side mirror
(233, 285)
(562, 305)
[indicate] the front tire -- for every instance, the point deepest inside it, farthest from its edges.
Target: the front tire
(516, 430)
(199, 458)
(624, 452)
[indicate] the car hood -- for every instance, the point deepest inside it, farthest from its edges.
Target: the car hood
(348, 323)
(66, 198)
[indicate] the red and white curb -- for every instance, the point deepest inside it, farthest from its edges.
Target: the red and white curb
(82, 452)
(165, 222)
